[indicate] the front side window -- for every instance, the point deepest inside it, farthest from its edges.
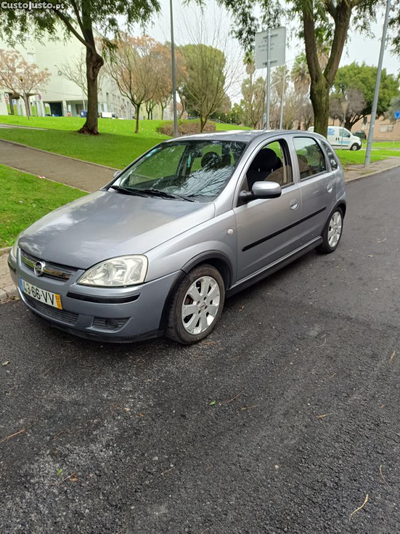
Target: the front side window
(309, 156)
(271, 164)
(344, 133)
(197, 170)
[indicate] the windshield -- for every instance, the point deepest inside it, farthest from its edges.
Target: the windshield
(196, 170)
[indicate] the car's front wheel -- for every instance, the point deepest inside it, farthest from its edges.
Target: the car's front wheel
(196, 306)
(332, 232)
(355, 147)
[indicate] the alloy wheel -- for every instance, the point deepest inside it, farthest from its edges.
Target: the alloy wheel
(200, 305)
(335, 229)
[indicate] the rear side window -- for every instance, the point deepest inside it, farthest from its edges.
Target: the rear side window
(310, 157)
(331, 155)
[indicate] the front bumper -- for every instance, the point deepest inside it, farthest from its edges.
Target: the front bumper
(104, 314)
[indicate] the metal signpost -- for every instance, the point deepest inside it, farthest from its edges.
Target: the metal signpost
(270, 48)
(174, 103)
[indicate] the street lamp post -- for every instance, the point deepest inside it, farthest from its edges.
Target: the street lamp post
(345, 107)
(377, 85)
(176, 133)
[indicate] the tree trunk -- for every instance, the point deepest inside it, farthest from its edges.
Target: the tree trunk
(319, 94)
(348, 123)
(10, 99)
(203, 122)
(137, 108)
(27, 108)
(94, 62)
(162, 112)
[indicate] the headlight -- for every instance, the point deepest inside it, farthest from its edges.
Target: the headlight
(14, 250)
(117, 272)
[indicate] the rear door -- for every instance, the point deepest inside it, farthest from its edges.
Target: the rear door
(317, 185)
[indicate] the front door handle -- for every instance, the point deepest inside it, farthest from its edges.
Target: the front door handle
(330, 187)
(294, 204)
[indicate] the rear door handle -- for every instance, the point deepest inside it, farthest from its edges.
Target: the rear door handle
(294, 204)
(330, 187)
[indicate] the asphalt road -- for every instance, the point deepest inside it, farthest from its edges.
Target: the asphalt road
(284, 420)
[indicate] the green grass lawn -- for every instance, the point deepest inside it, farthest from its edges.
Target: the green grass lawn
(116, 147)
(348, 157)
(26, 198)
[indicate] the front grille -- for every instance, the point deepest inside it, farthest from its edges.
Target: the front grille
(101, 323)
(53, 313)
(50, 270)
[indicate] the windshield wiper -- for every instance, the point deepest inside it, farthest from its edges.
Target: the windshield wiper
(164, 194)
(127, 191)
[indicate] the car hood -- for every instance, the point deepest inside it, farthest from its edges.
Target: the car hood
(107, 224)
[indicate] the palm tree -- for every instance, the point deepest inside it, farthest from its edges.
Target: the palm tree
(300, 75)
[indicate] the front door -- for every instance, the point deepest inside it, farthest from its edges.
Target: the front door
(266, 228)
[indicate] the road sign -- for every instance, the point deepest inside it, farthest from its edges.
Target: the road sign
(397, 115)
(277, 48)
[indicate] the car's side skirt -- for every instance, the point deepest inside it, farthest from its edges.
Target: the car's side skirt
(273, 267)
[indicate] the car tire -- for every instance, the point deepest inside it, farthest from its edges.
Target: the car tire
(190, 318)
(355, 147)
(332, 232)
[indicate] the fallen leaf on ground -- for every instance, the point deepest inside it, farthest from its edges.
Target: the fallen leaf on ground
(321, 416)
(5, 363)
(391, 357)
(212, 403)
(360, 507)
(380, 472)
(22, 431)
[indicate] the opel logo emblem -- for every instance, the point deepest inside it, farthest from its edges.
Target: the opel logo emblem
(39, 268)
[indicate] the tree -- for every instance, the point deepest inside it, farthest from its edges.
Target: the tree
(130, 64)
(355, 106)
(204, 88)
(322, 25)
(74, 70)
(78, 18)
(355, 79)
(20, 77)
(8, 69)
(253, 91)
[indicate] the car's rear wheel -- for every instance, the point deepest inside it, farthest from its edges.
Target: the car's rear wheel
(196, 306)
(332, 232)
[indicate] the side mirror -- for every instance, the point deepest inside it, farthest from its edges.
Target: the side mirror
(266, 190)
(116, 174)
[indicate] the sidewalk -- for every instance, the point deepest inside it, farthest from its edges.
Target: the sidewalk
(69, 171)
(91, 177)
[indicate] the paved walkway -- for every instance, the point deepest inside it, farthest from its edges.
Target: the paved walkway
(91, 177)
(76, 173)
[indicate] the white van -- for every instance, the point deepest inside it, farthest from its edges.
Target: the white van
(341, 138)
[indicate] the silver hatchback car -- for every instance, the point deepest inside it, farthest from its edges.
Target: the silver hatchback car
(190, 222)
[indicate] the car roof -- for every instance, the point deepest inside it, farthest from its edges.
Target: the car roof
(245, 136)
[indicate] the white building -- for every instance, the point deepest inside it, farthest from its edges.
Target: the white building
(61, 96)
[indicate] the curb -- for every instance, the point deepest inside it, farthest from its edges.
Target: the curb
(59, 155)
(5, 249)
(371, 173)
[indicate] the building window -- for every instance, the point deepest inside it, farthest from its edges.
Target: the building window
(386, 128)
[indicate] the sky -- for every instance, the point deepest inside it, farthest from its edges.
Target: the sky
(217, 25)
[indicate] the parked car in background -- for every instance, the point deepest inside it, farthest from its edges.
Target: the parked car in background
(192, 221)
(341, 138)
(361, 134)
(108, 115)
